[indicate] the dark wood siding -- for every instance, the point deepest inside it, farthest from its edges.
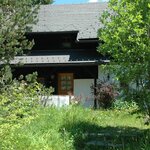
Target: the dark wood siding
(58, 41)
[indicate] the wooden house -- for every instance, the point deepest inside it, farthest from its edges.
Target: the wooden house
(65, 51)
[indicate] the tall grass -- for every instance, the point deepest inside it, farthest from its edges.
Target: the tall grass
(65, 128)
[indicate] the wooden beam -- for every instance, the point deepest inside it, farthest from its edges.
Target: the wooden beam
(95, 101)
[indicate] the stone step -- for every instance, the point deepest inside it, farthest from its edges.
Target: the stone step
(112, 136)
(103, 144)
(109, 140)
(98, 134)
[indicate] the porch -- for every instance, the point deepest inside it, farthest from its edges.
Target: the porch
(66, 80)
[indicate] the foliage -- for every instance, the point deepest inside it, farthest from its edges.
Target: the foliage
(105, 93)
(45, 94)
(126, 38)
(43, 2)
(5, 77)
(16, 18)
(31, 78)
(68, 127)
(125, 105)
(19, 103)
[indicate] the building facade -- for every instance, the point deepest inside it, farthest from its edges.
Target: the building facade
(65, 52)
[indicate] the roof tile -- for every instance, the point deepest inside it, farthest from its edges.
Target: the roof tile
(76, 17)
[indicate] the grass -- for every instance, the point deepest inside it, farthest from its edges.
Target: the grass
(67, 128)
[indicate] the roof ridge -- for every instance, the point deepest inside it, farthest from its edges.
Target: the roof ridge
(95, 3)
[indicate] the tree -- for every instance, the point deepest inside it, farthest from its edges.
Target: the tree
(43, 2)
(126, 37)
(16, 18)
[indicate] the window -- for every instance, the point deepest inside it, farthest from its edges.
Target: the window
(65, 83)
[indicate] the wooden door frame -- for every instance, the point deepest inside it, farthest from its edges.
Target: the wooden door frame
(72, 83)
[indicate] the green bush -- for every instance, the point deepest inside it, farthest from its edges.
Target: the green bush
(125, 105)
(19, 103)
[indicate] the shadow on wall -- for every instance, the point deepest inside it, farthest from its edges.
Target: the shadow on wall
(89, 136)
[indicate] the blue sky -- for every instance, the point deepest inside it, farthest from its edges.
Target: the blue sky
(73, 1)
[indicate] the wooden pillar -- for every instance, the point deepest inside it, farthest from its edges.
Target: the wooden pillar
(95, 101)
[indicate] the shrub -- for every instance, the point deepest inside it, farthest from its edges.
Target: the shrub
(125, 105)
(141, 97)
(105, 93)
(19, 104)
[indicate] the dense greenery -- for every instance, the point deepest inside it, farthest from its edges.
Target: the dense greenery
(67, 129)
(126, 37)
(43, 2)
(19, 99)
(24, 124)
(16, 18)
(19, 103)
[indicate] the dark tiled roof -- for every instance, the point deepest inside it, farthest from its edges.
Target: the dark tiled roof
(61, 57)
(58, 58)
(83, 18)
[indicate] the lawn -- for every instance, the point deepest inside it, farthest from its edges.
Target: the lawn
(75, 128)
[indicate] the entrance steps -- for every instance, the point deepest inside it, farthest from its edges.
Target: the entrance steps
(106, 140)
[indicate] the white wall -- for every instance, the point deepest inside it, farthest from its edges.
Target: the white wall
(82, 88)
(55, 100)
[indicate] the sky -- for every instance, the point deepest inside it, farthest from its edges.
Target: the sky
(75, 1)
